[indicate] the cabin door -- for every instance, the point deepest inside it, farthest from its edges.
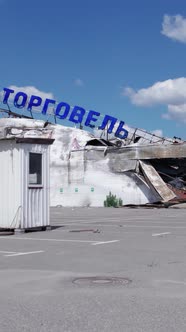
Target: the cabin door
(35, 199)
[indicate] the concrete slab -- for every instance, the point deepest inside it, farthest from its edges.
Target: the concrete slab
(70, 285)
(178, 206)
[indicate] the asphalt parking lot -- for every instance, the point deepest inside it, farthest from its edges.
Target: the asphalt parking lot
(98, 269)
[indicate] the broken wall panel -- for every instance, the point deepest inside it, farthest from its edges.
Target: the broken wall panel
(150, 151)
(156, 181)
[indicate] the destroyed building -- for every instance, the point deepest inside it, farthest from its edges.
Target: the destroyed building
(142, 169)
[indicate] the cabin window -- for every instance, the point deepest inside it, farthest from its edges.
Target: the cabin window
(35, 168)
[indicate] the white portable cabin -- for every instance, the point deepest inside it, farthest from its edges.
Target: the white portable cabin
(24, 178)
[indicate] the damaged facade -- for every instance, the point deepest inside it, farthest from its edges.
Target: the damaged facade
(152, 172)
(84, 169)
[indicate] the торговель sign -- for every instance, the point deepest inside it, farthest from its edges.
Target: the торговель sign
(63, 111)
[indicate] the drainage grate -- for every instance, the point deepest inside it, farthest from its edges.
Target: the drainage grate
(103, 281)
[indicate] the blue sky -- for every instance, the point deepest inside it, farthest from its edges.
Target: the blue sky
(118, 57)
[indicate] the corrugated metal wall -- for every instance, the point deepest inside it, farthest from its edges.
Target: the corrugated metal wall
(10, 189)
(20, 204)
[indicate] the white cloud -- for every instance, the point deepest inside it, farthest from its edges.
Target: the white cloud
(172, 91)
(176, 112)
(31, 90)
(78, 82)
(174, 27)
(158, 132)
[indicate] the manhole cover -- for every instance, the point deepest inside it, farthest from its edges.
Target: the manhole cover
(102, 281)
